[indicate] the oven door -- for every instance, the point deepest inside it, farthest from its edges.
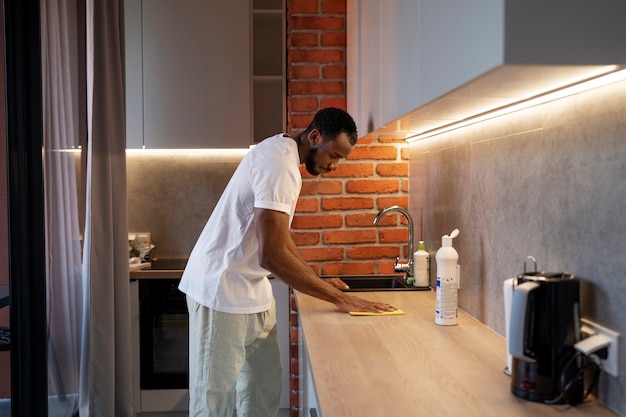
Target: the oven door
(163, 335)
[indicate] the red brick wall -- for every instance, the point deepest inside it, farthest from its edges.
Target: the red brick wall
(316, 59)
(333, 226)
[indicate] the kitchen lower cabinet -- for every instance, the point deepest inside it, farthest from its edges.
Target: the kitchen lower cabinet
(308, 397)
(281, 295)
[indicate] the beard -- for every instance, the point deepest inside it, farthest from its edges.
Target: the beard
(309, 162)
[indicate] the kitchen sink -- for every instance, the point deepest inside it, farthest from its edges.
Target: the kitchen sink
(377, 282)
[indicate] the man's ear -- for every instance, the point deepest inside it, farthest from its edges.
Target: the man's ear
(315, 137)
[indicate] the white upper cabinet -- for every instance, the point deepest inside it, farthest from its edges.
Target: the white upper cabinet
(188, 74)
(364, 63)
(383, 60)
(268, 75)
(456, 41)
(414, 65)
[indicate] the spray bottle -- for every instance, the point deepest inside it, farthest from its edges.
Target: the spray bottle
(448, 282)
(421, 266)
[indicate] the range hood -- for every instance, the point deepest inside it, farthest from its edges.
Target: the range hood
(473, 59)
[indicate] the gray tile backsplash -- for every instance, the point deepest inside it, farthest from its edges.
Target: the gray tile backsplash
(172, 196)
(549, 181)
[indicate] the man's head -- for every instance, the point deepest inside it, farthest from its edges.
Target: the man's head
(331, 122)
(329, 137)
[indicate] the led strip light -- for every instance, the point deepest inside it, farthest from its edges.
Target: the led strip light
(524, 104)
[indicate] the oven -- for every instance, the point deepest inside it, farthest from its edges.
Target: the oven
(161, 337)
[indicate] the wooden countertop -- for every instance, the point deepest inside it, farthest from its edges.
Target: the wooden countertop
(407, 366)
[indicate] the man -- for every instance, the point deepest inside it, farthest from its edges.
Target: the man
(233, 345)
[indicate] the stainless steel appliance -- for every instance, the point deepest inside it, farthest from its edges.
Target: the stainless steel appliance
(544, 327)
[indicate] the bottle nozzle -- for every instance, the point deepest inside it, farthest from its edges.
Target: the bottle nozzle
(447, 240)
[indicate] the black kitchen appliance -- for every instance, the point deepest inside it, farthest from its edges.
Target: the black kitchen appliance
(163, 327)
(544, 326)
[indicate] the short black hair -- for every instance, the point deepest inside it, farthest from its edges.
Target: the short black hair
(331, 122)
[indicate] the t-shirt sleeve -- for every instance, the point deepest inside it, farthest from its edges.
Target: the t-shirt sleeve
(276, 185)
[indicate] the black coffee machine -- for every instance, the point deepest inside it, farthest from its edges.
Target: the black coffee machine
(544, 326)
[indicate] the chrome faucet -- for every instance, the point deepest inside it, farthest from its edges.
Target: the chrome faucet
(409, 265)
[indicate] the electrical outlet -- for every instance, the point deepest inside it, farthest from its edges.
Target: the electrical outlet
(610, 364)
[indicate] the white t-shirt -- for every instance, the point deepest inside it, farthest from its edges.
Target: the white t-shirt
(223, 271)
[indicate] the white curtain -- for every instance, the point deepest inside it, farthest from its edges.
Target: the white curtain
(106, 369)
(88, 300)
(60, 92)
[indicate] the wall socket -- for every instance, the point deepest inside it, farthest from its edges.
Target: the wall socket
(610, 365)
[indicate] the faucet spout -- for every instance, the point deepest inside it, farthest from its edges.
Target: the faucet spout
(409, 265)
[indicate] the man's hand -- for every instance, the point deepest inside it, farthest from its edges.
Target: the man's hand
(352, 303)
(337, 283)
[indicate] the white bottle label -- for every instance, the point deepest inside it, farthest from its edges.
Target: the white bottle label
(421, 268)
(447, 300)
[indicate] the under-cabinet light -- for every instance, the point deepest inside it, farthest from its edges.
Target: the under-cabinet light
(199, 152)
(76, 149)
(553, 94)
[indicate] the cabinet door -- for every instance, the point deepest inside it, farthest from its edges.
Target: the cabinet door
(404, 53)
(399, 43)
(458, 41)
(134, 83)
(308, 395)
(281, 296)
(268, 34)
(364, 64)
(195, 74)
(382, 60)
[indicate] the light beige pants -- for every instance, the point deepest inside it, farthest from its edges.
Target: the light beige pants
(234, 363)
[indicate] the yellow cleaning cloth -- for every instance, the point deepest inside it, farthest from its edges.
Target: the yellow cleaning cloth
(385, 313)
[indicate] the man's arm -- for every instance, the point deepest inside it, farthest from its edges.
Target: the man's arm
(279, 255)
